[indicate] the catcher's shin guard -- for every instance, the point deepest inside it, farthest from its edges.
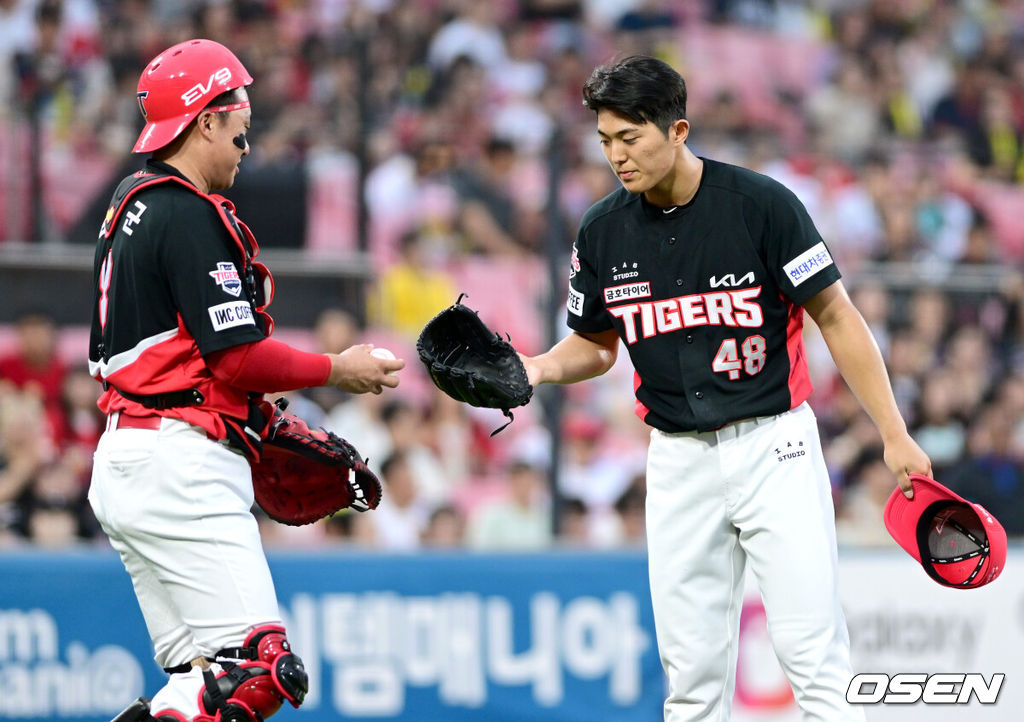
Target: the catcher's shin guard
(254, 689)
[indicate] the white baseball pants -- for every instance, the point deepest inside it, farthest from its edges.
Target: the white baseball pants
(176, 507)
(717, 501)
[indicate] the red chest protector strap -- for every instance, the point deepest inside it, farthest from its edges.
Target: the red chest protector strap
(256, 275)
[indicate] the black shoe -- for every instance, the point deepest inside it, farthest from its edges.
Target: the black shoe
(137, 711)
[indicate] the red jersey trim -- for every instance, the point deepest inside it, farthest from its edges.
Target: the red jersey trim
(800, 386)
(639, 408)
(172, 364)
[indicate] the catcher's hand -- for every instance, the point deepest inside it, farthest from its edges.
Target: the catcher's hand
(471, 363)
(305, 475)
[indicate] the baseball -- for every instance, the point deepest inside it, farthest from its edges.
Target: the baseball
(385, 354)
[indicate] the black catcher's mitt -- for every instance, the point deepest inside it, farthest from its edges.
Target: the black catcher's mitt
(305, 475)
(472, 363)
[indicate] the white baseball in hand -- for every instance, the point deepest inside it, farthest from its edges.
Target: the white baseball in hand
(384, 354)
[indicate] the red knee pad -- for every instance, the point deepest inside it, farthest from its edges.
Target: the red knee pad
(240, 693)
(256, 688)
(268, 644)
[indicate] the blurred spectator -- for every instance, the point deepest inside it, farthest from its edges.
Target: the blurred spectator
(1002, 156)
(489, 218)
(410, 436)
(972, 362)
(445, 529)
(869, 485)
(472, 33)
(573, 529)
(55, 510)
(944, 220)
(24, 450)
(647, 16)
(844, 114)
(402, 517)
(957, 115)
(521, 520)
(34, 366)
(843, 450)
(938, 427)
(522, 74)
(903, 240)
(980, 246)
(83, 421)
(334, 330)
(455, 438)
(910, 357)
(929, 318)
(992, 473)
(412, 291)
(412, 192)
(631, 510)
(339, 529)
(16, 37)
(357, 419)
(872, 300)
(590, 473)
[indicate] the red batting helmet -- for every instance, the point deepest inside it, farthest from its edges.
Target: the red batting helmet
(179, 83)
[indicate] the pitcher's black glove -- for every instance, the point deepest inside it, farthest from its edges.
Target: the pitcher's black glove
(472, 363)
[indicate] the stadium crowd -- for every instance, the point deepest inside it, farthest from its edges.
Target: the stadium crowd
(899, 124)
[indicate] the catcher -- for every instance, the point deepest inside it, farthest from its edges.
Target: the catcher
(181, 342)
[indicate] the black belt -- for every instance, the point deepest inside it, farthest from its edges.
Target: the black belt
(169, 400)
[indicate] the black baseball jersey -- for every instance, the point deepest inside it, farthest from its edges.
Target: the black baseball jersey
(706, 297)
(173, 281)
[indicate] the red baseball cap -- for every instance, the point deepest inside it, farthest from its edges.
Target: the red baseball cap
(959, 543)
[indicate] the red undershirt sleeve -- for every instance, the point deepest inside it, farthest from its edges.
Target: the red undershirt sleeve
(268, 365)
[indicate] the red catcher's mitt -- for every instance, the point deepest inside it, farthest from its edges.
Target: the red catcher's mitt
(305, 475)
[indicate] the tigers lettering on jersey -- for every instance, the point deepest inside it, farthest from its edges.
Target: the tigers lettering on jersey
(720, 308)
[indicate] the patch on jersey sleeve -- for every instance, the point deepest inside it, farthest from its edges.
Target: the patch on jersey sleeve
(574, 262)
(575, 302)
(808, 263)
(231, 314)
(640, 289)
(227, 278)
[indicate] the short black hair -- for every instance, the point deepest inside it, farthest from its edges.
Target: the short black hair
(641, 88)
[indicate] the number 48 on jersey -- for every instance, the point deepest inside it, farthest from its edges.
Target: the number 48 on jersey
(728, 359)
